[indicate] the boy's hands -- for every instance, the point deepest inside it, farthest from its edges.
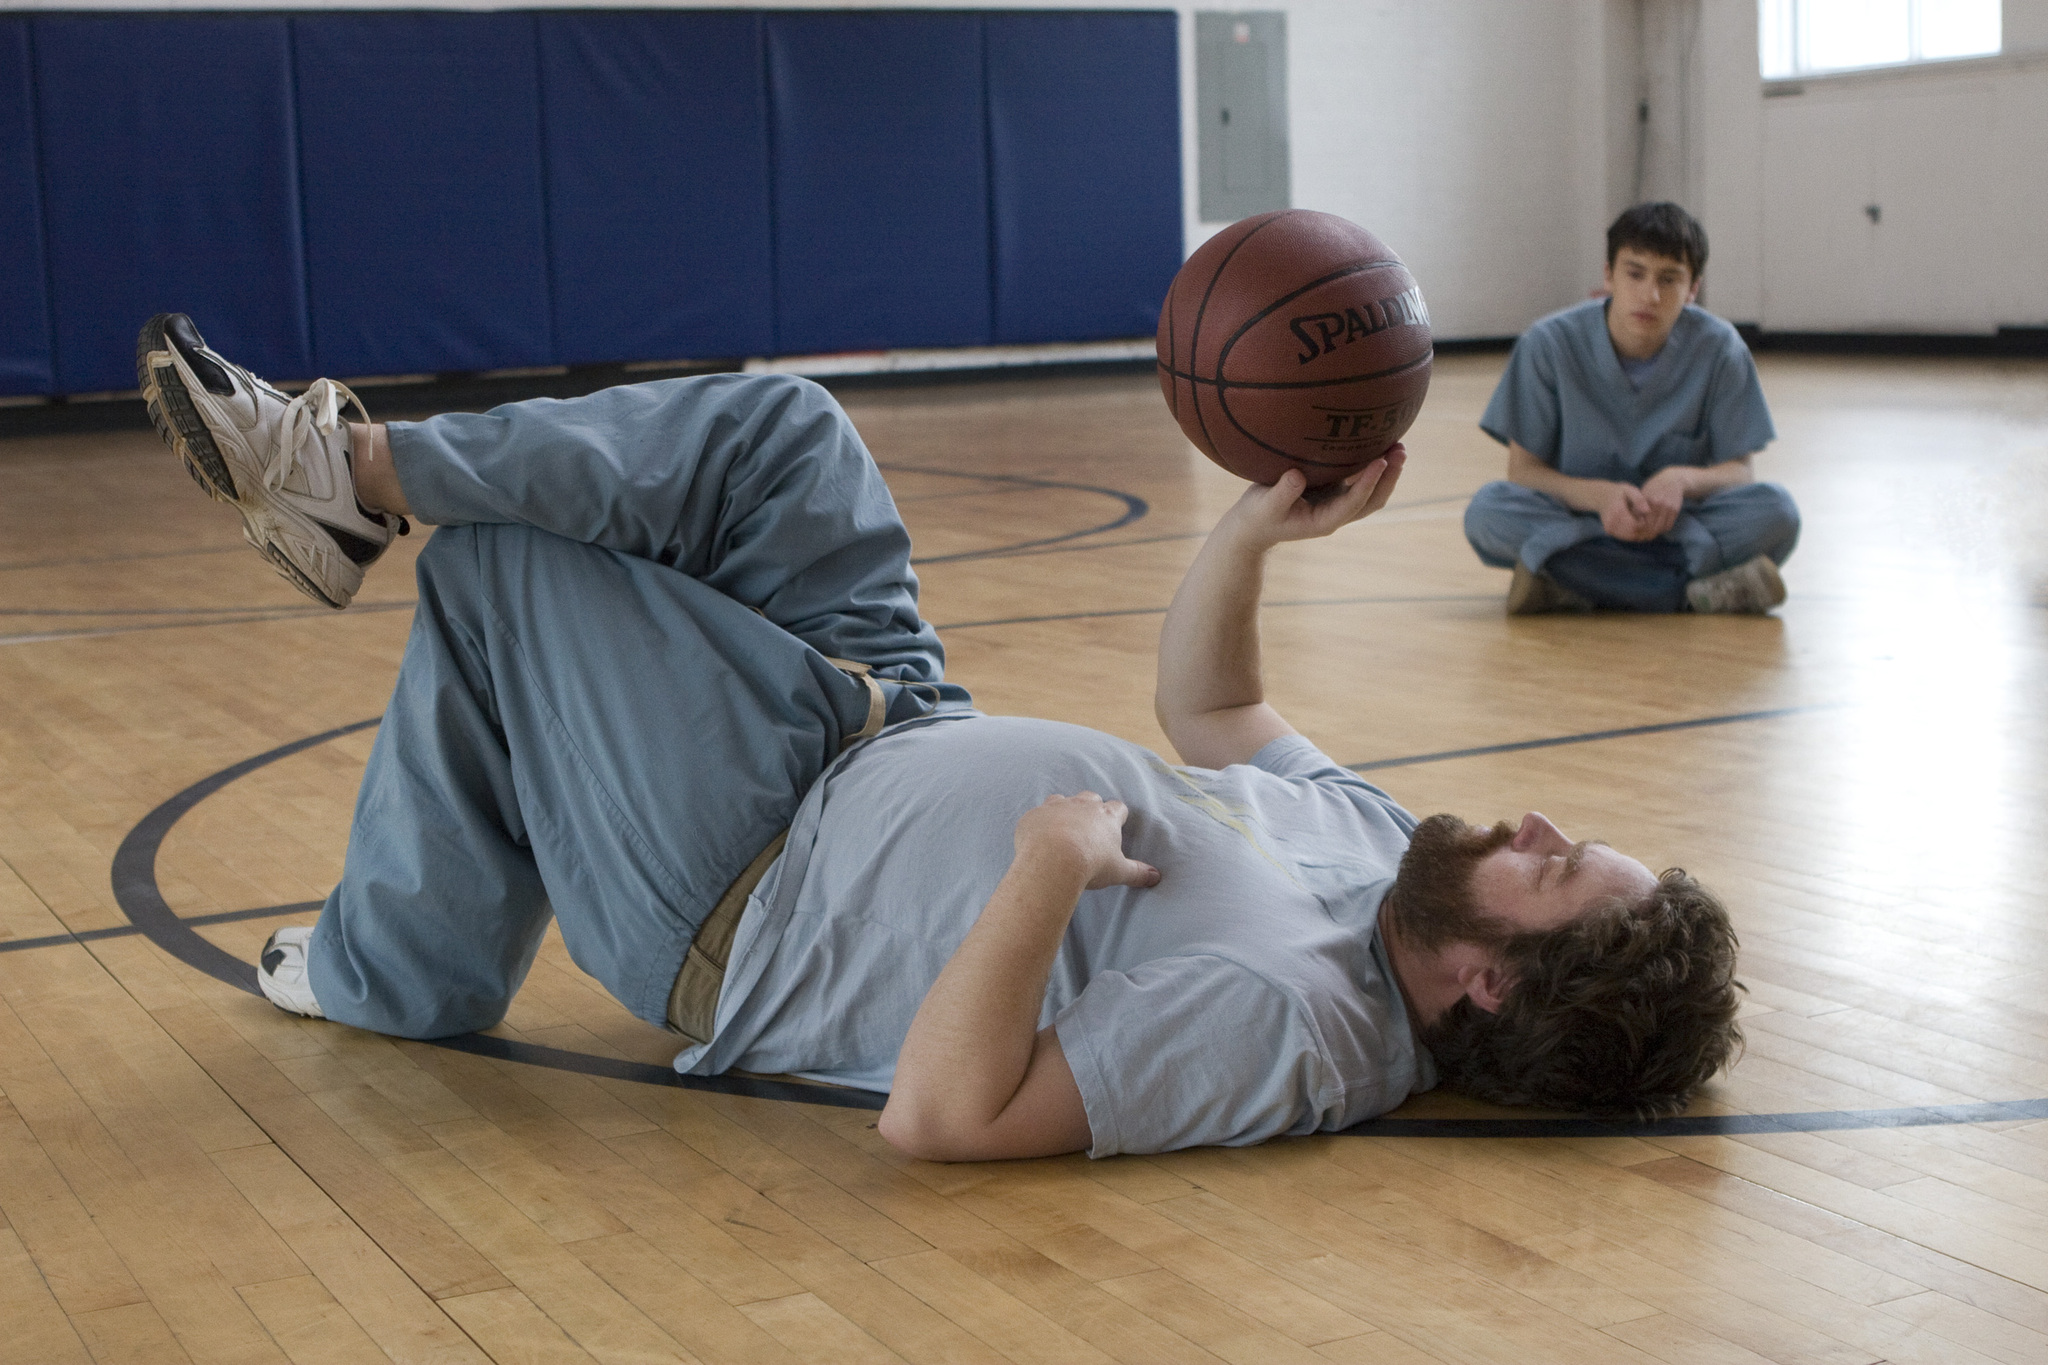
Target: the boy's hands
(1089, 831)
(1666, 492)
(1632, 514)
(1269, 513)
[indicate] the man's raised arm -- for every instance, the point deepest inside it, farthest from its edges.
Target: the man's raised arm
(1210, 699)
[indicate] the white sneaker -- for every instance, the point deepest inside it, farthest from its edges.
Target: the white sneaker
(1748, 589)
(280, 461)
(281, 971)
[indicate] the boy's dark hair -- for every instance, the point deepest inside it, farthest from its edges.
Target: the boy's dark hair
(1662, 229)
(1623, 1012)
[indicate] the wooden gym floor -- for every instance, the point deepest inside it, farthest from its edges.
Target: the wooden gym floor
(186, 1173)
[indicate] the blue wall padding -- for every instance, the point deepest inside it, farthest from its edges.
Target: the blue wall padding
(24, 303)
(657, 155)
(169, 165)
(375, 193)
(1084, 146)
(881, 180)
(426, 238)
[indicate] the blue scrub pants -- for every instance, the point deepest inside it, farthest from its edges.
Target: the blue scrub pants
(1507, 523)
(616, 689)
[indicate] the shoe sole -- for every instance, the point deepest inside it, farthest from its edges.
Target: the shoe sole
(291, 572)
(1520, 591)
(176, 417)
(177, 420)
(1774, 587)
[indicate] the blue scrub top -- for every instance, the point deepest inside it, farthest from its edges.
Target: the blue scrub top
(1566, 399)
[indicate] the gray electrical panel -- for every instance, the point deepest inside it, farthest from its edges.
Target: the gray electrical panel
(1241, 91)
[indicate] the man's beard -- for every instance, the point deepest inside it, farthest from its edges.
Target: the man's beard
(1431, 903)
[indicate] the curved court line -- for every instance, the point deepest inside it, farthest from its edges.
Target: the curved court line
(16, 945)
(134, 866)
(1135, 509)
(136, 891)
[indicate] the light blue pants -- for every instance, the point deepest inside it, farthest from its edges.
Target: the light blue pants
(1507, 523)
(616, 690)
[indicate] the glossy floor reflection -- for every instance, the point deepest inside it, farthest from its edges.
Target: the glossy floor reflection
(187, 1174)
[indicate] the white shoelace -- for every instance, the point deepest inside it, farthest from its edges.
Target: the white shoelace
(318, 409)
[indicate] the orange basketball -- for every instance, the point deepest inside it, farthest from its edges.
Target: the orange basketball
(1294, 340)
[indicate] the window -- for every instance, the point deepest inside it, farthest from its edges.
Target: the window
(1804, 37)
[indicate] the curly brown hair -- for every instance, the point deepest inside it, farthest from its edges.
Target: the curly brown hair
(1624, 1012)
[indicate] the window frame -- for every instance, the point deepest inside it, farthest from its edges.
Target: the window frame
(1790, 41)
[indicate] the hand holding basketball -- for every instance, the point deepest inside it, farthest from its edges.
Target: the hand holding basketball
(1271, 513)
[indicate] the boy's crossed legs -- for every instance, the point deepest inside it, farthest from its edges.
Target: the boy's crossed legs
(1720, 557)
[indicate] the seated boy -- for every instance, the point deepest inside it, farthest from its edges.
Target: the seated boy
(1630, 423)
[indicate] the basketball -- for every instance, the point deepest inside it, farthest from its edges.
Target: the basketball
(1294, 340)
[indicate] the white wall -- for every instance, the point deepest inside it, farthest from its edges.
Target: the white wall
(1471, 136)
(1953, 154)
(1475, 136)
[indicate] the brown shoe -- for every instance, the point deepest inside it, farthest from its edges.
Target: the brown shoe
(1532, 594)
(1746, 590)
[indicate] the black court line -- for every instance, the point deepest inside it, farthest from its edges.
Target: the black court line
(115, 559)
(1135, 509)
(1190, 535)
(1590, 736)
(279, 614)
(651, 1073)
(1161, 611)
(1098, 545)
(309, 609)
(921, 498)
(1709, 1125)
(134, 867)
(135, 890)
(15, 945)
(1056, 545)
(295, 613)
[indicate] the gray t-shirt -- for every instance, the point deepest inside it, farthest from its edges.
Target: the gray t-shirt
(1245, 996)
